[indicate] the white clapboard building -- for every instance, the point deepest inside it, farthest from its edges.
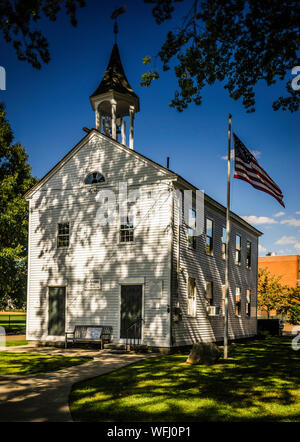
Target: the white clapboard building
(111, 242)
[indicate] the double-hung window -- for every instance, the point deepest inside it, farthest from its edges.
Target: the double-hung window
(248, 302)
(224, 236)
(209, 292)
(126, 229)
(223, 298)
(238, 301)
(191, 229)
(238, 241)
(191, 307)
(248, 256)
(63, 235)
(209, 236)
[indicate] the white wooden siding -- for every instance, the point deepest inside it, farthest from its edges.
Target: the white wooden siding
(159, 249)
(95, 251)
(197, 264)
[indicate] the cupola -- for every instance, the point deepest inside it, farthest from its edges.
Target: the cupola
(114, 100)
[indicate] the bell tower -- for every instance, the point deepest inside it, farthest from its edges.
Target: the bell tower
(114, 100)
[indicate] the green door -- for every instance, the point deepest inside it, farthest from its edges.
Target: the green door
(131, 310)
(57, 311)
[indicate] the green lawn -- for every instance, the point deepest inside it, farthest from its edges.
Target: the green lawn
(16, 342)
(259, 382)
(25, 364)
(13, 322)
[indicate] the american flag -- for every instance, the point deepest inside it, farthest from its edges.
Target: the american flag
(247, 168)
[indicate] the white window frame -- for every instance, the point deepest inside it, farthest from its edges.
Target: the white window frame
(209, 294)
(238, 251)
(223, 243)
(248, 303)
(191, 300)
(191, 229)
(131, 218)
(58, 235)
(248, 242)
(238, 293)
(211, 252)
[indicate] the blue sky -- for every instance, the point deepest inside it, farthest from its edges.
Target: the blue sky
(48, 108)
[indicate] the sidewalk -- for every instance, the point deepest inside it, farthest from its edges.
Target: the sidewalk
(45, 397)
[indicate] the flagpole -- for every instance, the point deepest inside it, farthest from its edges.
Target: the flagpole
(227, 244)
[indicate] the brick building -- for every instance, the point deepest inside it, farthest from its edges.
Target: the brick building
(287, 266)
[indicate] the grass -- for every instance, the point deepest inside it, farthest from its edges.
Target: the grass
(28, 364)
(259, 382)
(13, 322)
(16, 342)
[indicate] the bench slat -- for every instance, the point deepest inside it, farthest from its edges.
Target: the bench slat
(90, 333)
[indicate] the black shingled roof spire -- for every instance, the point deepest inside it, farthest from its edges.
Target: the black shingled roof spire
(114, 78)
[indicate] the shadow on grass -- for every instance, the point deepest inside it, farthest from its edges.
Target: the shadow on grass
(26, 364)
(260, 381)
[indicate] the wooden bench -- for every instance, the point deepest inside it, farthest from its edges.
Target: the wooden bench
(89, 333)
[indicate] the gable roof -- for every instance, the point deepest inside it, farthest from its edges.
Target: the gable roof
(80, 144)
(171, 173)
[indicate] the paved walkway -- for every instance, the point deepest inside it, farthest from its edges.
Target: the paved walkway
(15, 337)
(44, 397)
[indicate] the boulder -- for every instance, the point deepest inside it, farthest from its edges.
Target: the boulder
(204, 353)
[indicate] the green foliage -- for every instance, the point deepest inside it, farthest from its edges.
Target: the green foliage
(18, 20)
(147, 60)
(148, 77)
(294, 314)
(269, 291)
(272, 295)
(235, 42)
(15, 180)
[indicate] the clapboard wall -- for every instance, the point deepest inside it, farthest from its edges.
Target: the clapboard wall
(95, 251)
(195, 263)
(159, 249)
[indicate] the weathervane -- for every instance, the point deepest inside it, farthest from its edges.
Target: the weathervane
(114, 16)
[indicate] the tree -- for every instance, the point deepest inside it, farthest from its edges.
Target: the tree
(272, 295)
(268, 291)
(15, 180)
(294, 314)
(236, 42)
(17, 23)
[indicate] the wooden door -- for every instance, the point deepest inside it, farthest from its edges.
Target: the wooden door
(131, 310)
(57, 311)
